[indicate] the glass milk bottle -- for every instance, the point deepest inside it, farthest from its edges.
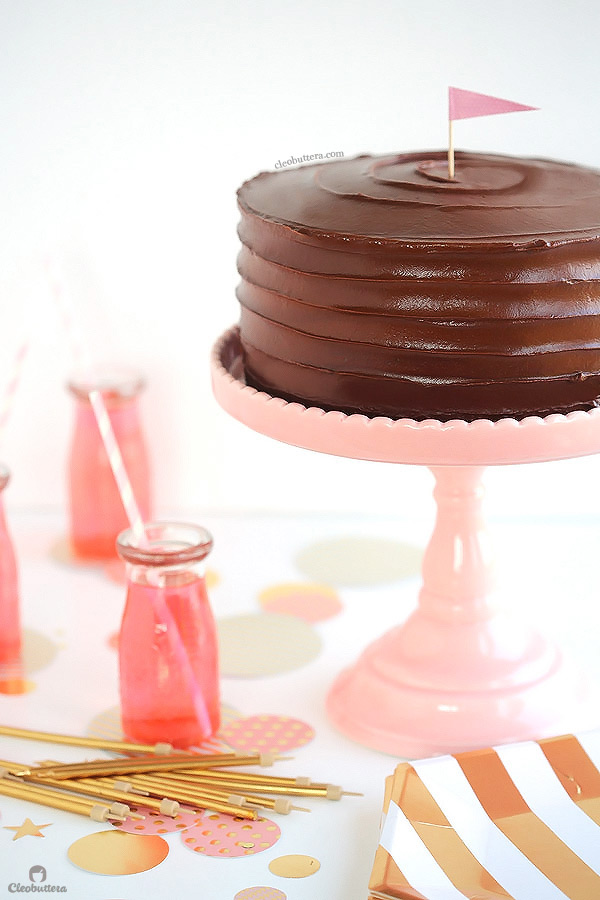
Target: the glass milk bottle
(10, 625)
(96, 511)
(168, 656)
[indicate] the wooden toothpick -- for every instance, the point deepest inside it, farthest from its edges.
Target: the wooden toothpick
(450, 149)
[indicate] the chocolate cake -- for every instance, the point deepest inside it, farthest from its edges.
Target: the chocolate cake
(380, 286)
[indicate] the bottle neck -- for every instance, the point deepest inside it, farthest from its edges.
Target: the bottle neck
(167, 547)
(166, 576)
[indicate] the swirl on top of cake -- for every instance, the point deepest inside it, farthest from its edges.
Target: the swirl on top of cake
(380, 286)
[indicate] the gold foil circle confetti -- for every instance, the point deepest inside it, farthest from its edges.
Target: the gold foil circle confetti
(212, 578)
(294, 866)
(62, 553)
(226, 836)
(38, 651)
(267, 644)
(260, 893)
(12, 680)
(118, 853)
(359, 561)
(311, 602)
(107, 726)
(267, 734)
(16, 685)
(113, 641)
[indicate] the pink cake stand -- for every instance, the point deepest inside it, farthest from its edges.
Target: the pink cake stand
(457, 674)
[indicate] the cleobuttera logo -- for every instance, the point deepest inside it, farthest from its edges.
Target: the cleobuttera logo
(18, 888)
(35, 871)
(37, 877)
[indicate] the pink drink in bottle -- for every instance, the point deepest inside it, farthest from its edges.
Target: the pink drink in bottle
(10, 624)
(96, 511)
(168, 657)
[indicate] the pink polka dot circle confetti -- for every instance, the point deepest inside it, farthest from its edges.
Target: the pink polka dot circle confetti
(311, 602)
(155, 823)
(260, 893)
(267, 733)
(226, 836)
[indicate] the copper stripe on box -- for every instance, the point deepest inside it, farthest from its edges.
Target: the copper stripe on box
(507, 809)
(386, 877)
(433, 828)
(576, 772)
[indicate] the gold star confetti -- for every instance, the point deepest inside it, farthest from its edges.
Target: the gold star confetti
(27, 827)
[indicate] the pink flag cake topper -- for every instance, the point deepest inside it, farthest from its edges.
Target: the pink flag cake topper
(469, 105)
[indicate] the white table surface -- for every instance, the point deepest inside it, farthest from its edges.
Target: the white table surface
(546, 568)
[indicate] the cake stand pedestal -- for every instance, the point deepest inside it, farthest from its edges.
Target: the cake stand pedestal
(457, 674)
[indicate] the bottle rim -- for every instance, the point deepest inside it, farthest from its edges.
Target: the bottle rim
(113, 382)
(167, 544)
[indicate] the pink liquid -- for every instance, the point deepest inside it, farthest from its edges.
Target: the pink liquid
(157, 699)
(97, 515)
(10, 624)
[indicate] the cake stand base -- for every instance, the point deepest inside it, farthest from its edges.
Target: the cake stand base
(457, 674)
(371, 706)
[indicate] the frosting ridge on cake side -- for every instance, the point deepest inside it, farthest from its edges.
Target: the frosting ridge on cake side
(377, 285)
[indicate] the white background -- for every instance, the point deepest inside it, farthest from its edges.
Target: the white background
(126, 129)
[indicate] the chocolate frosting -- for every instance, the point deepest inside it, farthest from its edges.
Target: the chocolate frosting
(378, 285)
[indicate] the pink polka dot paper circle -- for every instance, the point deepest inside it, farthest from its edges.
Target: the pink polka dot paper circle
(311, 602)
(155, 823)
(260, 893)
(267, 733)
(226, 836)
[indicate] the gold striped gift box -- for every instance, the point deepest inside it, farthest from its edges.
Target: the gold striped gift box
(514, 822)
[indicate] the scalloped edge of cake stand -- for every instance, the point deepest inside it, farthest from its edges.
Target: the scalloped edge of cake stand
(407, 441)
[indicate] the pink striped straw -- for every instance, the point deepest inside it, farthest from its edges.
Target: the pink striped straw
(139, 533)
(117, 465)
(136, 523)
(8, 398)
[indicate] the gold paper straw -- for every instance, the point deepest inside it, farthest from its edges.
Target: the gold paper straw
(76, 741)
(125, 766)
(56, 800)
